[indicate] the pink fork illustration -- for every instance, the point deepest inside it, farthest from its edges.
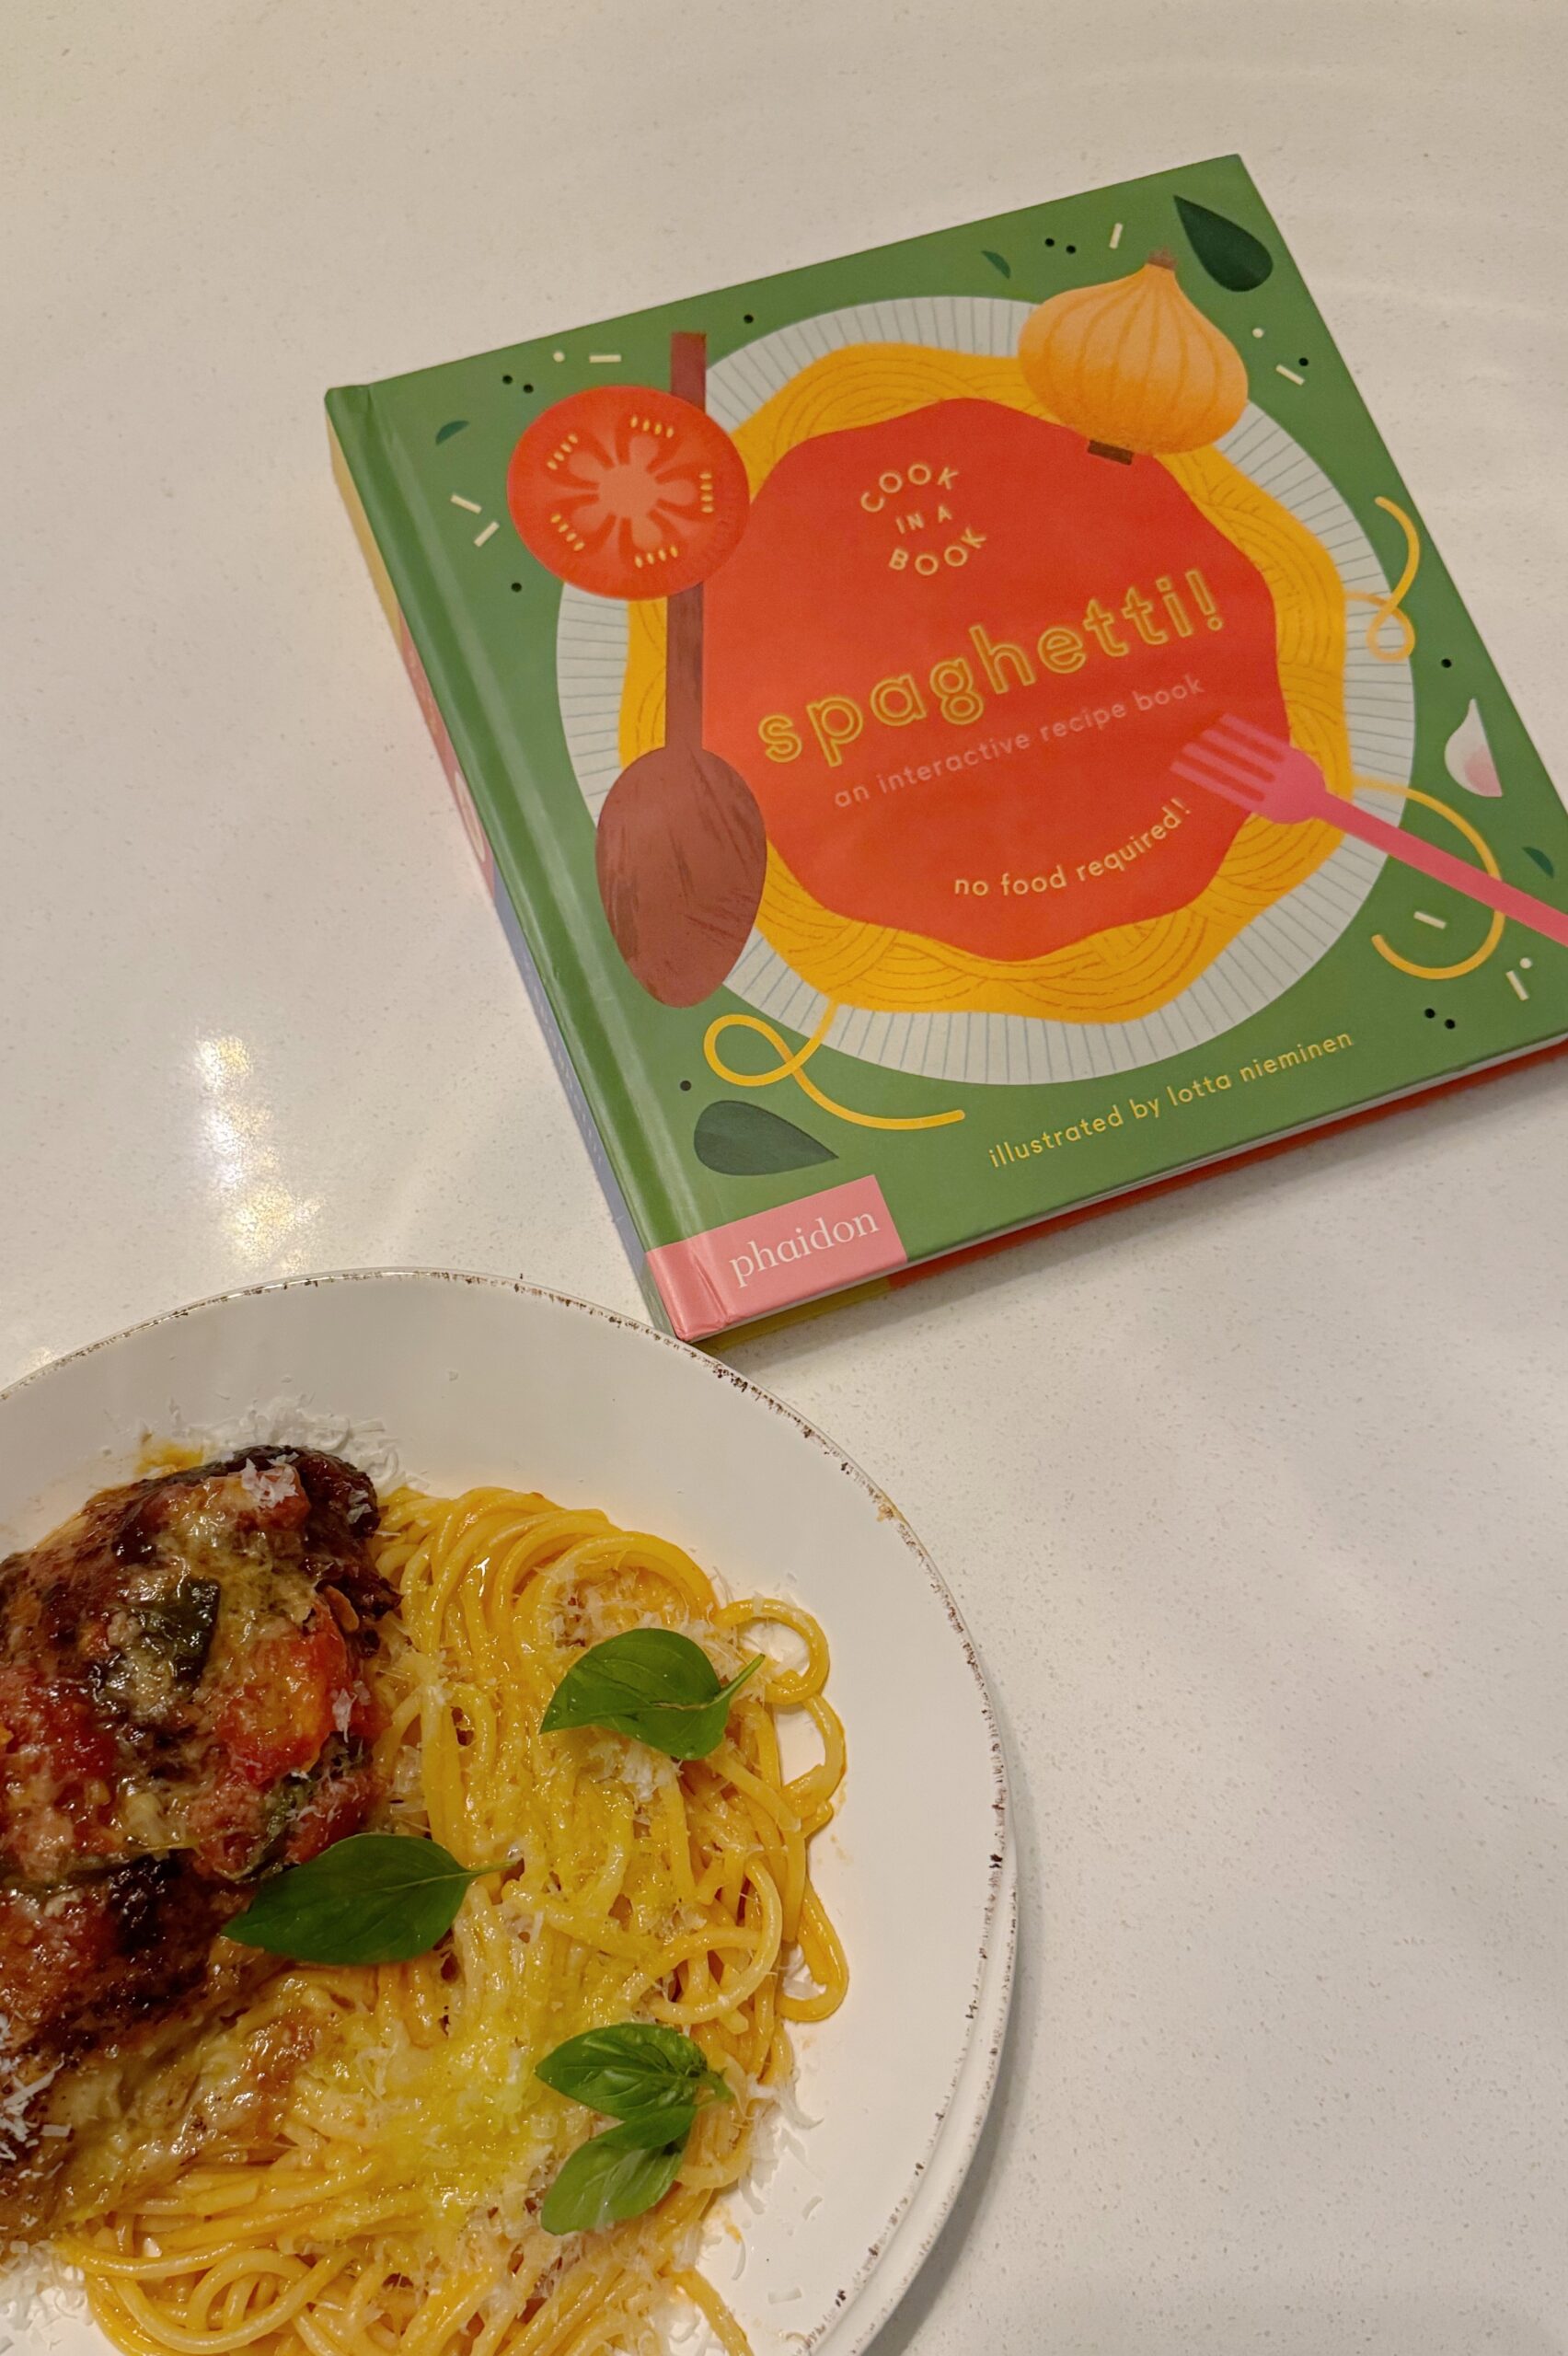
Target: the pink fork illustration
(1265, 775)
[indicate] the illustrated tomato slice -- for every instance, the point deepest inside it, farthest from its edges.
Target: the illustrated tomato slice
(628, 491)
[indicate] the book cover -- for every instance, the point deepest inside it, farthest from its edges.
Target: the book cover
(960, 733)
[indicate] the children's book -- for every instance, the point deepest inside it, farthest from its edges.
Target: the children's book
(960, 734)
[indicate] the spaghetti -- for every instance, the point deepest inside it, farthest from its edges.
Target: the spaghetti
(384, 2191)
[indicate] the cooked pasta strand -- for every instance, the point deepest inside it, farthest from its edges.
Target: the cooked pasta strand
(388, 2206)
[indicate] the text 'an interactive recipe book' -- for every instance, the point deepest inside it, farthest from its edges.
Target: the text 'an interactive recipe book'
(960, 733)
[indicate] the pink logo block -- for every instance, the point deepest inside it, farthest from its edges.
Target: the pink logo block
(753, 1266)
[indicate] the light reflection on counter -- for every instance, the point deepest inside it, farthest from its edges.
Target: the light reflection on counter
(263, 1219)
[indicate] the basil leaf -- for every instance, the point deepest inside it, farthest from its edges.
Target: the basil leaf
(375, 1898)
(645, 1667)
(179, 1626)
(618, 2175)
(653, 1684)
(631, 2068)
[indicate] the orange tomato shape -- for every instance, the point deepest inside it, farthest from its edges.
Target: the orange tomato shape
(628, 491)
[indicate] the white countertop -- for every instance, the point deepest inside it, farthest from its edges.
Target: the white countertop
(1256, 1497)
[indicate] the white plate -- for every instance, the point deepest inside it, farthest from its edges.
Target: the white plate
(474, 1378)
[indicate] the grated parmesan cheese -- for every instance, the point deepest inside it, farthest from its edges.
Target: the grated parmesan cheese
(16, 2095)
(269, 1484)
(645, 1773)
(295, 1423)
(43, 2304)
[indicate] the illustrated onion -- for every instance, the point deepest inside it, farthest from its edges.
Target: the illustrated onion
(1133, 366)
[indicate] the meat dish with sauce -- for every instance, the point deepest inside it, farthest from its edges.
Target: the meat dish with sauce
(184, 1707)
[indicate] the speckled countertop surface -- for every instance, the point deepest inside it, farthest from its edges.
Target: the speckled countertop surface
(1255, 1497)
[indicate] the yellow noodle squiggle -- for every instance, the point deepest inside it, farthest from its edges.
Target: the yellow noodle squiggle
(791, 1065)
(1488, 858)
(1389, 607)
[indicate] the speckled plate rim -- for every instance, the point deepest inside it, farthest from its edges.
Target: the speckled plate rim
(895, 2257)
(944, 2178)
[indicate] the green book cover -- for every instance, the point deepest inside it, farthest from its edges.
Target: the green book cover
(958, 733)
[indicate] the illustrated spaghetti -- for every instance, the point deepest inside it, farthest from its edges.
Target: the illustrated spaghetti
(1126, 970)
(381, 2189)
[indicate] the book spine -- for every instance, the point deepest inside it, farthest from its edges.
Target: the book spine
(388, 540)
(566, 1072)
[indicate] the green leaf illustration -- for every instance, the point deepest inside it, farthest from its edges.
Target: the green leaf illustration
(996, 262)
(1231, 255)
(1540, 859)
(454, 425)
(744, 1141)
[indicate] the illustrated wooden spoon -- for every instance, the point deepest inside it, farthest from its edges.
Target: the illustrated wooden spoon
(639, 495)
